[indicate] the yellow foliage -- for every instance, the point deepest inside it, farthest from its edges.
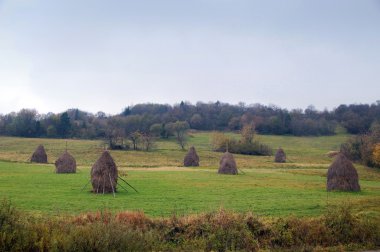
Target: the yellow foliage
(219, 141)
(376, 154)
(248, 133)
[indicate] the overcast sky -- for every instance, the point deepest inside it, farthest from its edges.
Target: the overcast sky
(105, 55)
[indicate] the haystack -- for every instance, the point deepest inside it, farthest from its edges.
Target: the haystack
(280, 156)
(39, 155)
(104, 174)
(227, 164)
(342, 175)
(191, 158)
(65, 164)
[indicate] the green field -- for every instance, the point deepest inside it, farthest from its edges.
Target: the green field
(265, 188)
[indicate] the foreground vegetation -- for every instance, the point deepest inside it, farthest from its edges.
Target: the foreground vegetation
(337, 229)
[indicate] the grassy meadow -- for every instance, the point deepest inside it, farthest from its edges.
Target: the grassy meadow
(265, 188)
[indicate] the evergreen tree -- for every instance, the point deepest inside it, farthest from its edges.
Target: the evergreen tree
(64, 126)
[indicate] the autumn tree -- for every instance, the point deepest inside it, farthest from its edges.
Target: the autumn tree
(376, 154)
(220, 141)
(248, 133)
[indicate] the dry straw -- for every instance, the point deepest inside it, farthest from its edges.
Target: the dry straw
(227, 164)
(191, 158)
(39, 155)
(342, 175)
(104, 174)
(280, 156)
(65, 164)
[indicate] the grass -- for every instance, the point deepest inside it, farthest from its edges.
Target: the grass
(309, 150)
(295, 188)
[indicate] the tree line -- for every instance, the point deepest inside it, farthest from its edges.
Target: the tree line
(151, 119)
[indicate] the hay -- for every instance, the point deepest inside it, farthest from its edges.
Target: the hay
(280, 156)
(332, 154)
(228, 164)
(65, 164)
(191, 158)
(104, 174)
(342, 175)
(39, 155)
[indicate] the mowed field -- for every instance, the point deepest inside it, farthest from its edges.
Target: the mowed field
(165, 187)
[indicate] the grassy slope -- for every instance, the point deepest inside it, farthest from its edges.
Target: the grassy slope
(309, 150)
(297, 187)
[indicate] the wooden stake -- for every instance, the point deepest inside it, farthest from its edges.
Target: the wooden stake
(85, 185)
(128, 184)
(104, 184)
(113, 191)
(122, 187)
(97, 189)
(241, 171)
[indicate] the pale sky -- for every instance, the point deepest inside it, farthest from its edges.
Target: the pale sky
(105, 55)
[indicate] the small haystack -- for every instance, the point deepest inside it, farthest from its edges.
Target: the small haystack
(39, 155)
(191, 158)
(65, 164)
(280, 156)
(227, 164)
(342, 175)
(104, 174)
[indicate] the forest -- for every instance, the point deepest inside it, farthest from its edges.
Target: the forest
(158, 119)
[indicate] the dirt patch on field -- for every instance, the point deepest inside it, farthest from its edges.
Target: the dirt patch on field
(163, 168)
(301, 166)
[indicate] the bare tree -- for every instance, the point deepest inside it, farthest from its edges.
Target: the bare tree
(148, 141)
(135, 137)
(115, 133)
(179, 129)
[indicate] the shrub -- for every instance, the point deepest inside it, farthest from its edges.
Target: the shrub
(220, 142)
(15, 234)
(361, 148)
(222, 230)
(376, 155)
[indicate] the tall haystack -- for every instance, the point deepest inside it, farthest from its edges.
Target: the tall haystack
(39, 155)
(191, 158)
(342, 175)
(104, 174)
(227, 164)
(65, 164)
(280, 156)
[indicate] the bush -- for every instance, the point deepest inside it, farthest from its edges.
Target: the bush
(216, 231)
(376, 155)
(15, 232)
(220, 142)
(255, 148)
(362, 147)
